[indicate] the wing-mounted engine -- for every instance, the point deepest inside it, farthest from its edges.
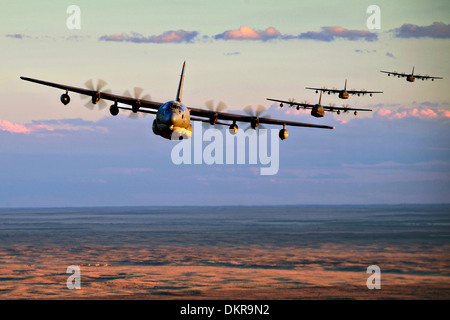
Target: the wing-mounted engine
(65, 99)
(283, 134)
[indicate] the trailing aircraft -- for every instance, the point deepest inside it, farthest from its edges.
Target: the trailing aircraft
(410, 77)
(318, 110)
(344, 93)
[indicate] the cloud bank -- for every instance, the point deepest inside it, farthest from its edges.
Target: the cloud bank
(437, 30)
(416, 112)
(9, 126)
(58, 126)
(332, 33)
(246, 33)
(327, 34)
(167, 37)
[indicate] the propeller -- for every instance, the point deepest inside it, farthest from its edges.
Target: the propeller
(219, 107)
(98, 88)
(291, 101)
(256, 113)
(345, 106)
(363, 92)
(137, 95)
(214, 108)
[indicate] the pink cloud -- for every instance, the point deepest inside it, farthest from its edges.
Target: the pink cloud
(9, 126)
(294, 111)
(247, 33)
(419, 112)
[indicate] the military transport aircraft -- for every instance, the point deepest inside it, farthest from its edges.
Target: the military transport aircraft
(173, 119)
(343, 94)
(410, 77)
(318, 110)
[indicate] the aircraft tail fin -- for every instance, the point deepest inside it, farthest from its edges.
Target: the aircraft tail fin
(320, 97)
(180, 86)
(345, 86)
(412, 73)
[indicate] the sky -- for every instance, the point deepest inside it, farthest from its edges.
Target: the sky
(238, 52)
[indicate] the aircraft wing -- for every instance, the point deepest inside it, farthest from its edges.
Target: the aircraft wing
(293, 103)
(244, 118)
(325, 90)
(395, 73)
(99, 94)
(426, 77)
(334, 109)
(362, 92)
(205, 115)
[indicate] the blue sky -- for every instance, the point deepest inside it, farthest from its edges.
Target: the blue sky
(239, 52)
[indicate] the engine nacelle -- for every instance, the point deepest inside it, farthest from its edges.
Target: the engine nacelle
(233, 128)
(254, 123)
(135, 107)
(114, 110)
(95, 98)
(356, 113)
(213, 119)
(65, 99)
(283, 134)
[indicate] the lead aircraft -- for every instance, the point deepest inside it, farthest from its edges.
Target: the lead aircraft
(173, 119)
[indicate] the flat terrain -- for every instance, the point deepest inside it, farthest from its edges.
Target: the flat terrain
(226, 253)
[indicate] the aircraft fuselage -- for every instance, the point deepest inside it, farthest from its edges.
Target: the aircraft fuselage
(317, 111)
(343, 95)
(172, 121)
(410, 78)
